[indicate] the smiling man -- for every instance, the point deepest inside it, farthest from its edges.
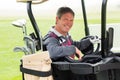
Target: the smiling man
(58, 41)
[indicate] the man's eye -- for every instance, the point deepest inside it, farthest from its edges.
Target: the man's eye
(65, 19)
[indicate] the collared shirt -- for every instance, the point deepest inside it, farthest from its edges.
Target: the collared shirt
(56, 32)
(57, 51)
(54, 47)
(63, 38)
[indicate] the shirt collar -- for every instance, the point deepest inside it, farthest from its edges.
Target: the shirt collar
(57, 33)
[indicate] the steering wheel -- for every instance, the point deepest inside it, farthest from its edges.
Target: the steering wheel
(89, 53)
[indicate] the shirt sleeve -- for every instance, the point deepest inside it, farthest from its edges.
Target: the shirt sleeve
(55, 50)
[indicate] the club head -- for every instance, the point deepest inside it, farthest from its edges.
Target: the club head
(22, 49)
(19, 23)
(19, 49)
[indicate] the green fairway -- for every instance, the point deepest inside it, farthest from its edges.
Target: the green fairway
(11, 36)
(9, 61)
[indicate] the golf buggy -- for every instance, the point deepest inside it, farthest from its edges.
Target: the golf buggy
(103, 64)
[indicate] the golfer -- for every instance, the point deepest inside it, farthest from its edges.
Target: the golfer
(58, 40)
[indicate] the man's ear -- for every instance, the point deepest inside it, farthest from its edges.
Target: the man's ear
(57, 19)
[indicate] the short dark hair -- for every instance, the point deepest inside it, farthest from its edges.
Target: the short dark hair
(63, 10)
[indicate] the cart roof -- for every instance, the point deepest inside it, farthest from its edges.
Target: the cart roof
(33, 1)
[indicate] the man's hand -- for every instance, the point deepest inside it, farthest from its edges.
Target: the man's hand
(94, 39)
(79, 53)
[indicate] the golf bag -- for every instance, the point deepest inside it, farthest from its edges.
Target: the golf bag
(36, 66)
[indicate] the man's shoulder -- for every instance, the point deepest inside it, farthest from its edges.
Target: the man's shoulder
(50, 35)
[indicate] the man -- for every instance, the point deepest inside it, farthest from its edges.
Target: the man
(58, 41)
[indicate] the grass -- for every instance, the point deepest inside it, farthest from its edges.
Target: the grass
(11, 36)
(9, 61)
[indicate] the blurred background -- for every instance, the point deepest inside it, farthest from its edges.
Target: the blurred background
(13, 8)
(45, 13)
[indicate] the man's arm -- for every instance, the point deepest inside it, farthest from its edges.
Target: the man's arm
(55, 50)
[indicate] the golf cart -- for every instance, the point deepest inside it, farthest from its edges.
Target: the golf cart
(106, 68)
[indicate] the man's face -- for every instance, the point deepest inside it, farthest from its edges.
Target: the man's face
(65, 23)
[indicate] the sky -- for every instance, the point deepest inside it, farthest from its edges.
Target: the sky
(11, 7)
